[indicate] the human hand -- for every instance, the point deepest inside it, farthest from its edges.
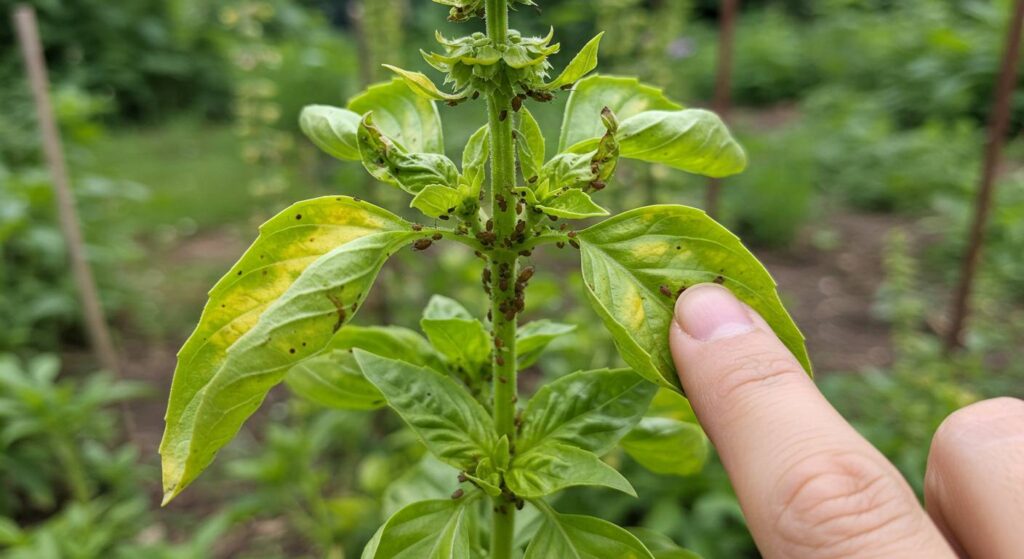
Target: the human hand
(809, 484)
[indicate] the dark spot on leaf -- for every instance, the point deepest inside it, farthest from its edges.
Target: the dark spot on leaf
(719, 280)
(298, 216)
(292, 350)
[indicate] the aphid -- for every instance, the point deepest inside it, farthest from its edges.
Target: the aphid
(665, 290)
(560, 244)
(437, 237)
(417, 227)
(422, 244)
(458, 494)
(499, 359)
(503, 116)
(517, 103)
(526, 274)
(526, 253)
(598, 185)
(574, 243)
(462, 477)
(719, 280)
(489, 225)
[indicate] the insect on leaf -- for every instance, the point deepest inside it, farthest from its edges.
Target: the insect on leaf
(303, 279)
(625, 97)
(436, 200)
(636, 263)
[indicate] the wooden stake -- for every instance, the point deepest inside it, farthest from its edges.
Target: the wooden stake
(723, 84)
(95, 325)
(999, 124)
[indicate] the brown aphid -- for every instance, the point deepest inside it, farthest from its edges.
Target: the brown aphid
(498, 343)
(502, 203)
(575, 244)
(719, 280)
(503, 116)
(503, 284)
(417, 227)
(499, 359)
(519, 207)
(533, 179)
(489, 225)
(422, 244)
(665, 290)
(517, 103)
(458, 494)
(520, 226)
(437, 237)
(526, 253)
(462, 477)
(572, 234)
(526, 274)
(560, 244)
(598, 185)
(476, 95)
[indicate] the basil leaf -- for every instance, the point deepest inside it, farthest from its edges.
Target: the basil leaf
(412, 121)
(334, 381)
(582, 64)
(661, 545)
(436, 200)
(530, 143)
(635, 263)
(582, 537)
(533, 338)
(333, 130)
(572, 204)
(304, 277)
(694, 140)
(552, 467)
(422, 85)
(474, 159)
(452, 425)
(588, 409)
(425, 530)
(428, 479)
(393, 342)
(626, 97)
(667, 446)
(389, 162)
(459, 337)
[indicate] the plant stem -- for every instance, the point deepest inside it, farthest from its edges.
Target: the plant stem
(504, 270)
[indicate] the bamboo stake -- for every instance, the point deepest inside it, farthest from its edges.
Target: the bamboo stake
(35, 65)
(723, 84)
(999, 124)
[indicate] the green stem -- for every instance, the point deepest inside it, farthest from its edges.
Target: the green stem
(504, 271)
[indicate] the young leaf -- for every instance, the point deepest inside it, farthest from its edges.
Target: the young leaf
(667, 446)
(581, 65)
(530, 143)
(334, 381)
(333, 130)
(458, 336)
(474, 159)
(635, 263)
(582, 537)
(393, 342)
(572, 204)
(625, 97)
(389, 162)
(533, 338)
(422, 85)
(552, 467)
(302, 279)
(436, 200)
(452, 425)
(694, 140)
(425, 530)
(588, 409)
(409, 119)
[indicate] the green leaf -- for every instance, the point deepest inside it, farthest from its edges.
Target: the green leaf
(393, 342)
(474, 159)
(436, 200)
(334, 381)
(667, 446)
(456, 334)
(428, 479)
(530, 143)
(425, 530)
(389, 162)
(552, 467)
(409, 119)
(661, 546)
(588, 409)
(304, 277)
(572, 204)
(333, 130)
(635, 263)
(533, 338)
(422, 85)
(572, 536)
(694, 140)
(582, 64)
(452, 425)
(626, 97)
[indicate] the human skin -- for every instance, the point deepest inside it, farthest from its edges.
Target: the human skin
(810, 486)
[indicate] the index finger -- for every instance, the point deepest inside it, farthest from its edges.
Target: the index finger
(809, 484)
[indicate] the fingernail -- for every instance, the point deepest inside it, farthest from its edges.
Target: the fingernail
(710, 312)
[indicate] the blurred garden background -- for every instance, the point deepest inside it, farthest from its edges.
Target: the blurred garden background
(864, 120)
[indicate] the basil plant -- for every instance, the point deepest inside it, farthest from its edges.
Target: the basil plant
(281, 314)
